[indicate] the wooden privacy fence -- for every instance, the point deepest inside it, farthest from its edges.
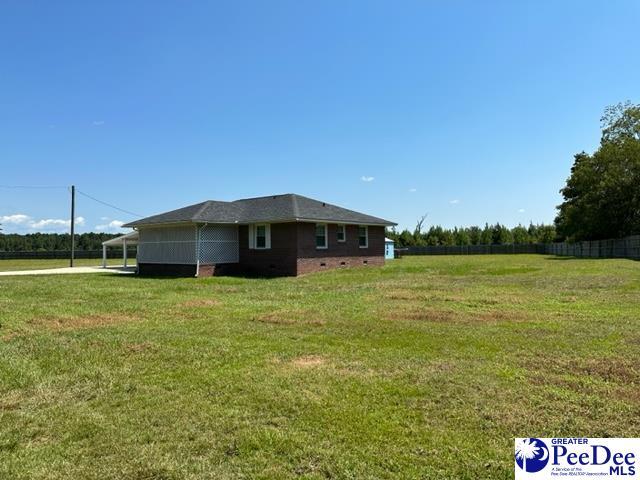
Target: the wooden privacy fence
(111, 253)
(472, 249)
(628, 247)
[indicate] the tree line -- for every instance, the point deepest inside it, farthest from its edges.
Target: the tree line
(488, 235)
(46, 242)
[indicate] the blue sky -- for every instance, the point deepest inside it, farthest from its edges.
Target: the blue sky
(470, 111)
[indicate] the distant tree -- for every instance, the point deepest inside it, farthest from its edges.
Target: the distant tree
(520, 235)
(474, 235)
(461, 236)
(486, 235)
(546, 234)
(419, 223)
(602, 197)
(406, 239)
(501, 235)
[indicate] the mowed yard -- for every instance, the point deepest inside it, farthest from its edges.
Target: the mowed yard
(426, 368)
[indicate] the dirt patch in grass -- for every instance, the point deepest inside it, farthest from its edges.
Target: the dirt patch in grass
(308, 361)
(302, 362)
(291, 317)
(10, 401)
(398, 294)
(139, 347)
(201, 302)
(427, 315)
(9, 336)
(609, 369)
(418, 295)
(501, 315)
(616, 370)
(448, 316)
(73, 323)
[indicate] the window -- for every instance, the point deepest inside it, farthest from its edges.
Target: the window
(363, 237)
(341, 234)
(260, 236)
(321, 235)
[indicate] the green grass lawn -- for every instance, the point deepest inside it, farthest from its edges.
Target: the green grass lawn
(14, 265)
(426, 368)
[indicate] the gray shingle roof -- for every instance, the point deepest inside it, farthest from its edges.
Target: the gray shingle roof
(274, 208)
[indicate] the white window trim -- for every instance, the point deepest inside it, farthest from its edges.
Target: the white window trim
(253, 236)
(344, 233)
(326, 236)
(366, 236)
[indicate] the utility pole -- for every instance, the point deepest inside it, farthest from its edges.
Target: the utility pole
(73, 221)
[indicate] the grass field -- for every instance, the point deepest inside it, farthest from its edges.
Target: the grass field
(14, 265)
(426, 368)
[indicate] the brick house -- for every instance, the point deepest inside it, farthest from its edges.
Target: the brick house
(276, 235)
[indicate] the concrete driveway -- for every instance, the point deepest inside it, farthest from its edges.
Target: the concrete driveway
(69, 270)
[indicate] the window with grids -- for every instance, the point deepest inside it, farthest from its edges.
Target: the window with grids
(321, 235)
(363, 236)
(261, 236)
(341, 233)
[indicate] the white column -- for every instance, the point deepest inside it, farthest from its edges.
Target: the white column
(124, 252)
(104, 256)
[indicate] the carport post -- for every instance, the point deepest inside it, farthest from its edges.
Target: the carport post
(104, 256)
(124, 252)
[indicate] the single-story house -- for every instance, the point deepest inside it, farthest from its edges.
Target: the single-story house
(275, 235)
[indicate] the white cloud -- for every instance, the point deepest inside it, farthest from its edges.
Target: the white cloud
(16, 219)
(521, 210)
(97, 123)
(53, 223)
(112, 226)
(413, 190)
(454, 202)
(25, 222)
(367, 179)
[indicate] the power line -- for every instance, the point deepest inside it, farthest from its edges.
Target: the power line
(68, 188)
(108, 204)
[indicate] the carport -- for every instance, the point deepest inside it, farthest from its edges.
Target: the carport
(121, 241)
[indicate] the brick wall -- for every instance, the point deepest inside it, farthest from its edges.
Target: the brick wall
(279, 260)
(338, 254)
(316, 264)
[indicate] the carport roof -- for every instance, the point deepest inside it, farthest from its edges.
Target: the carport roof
(131, 239)
(289, 207)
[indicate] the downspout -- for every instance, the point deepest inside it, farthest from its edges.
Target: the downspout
(198, 230)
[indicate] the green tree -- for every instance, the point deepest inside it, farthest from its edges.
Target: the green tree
(406, 239)
(520, 235)
(602, 197)
(486, 235)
